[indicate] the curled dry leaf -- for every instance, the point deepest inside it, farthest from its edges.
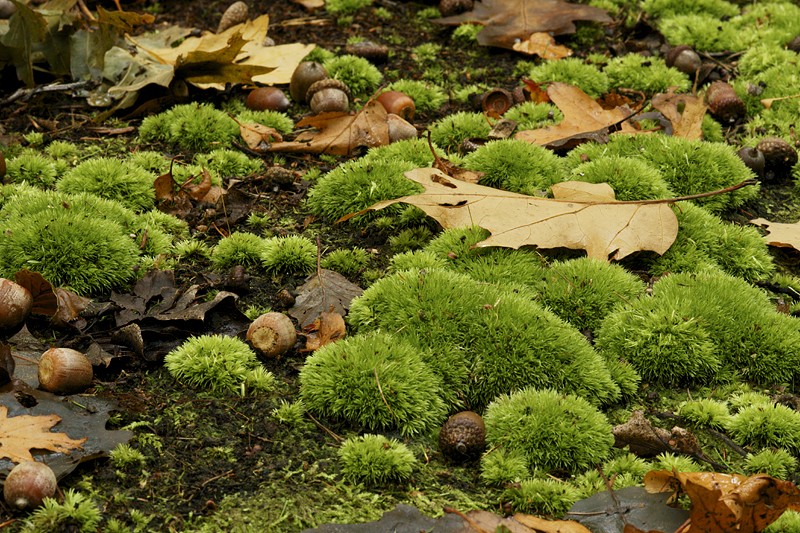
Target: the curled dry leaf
(684, 111)
(543, 45)
(780, 235)
(328, 328)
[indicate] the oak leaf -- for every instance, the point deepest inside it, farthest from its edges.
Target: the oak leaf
(507, 21)
(728, 502)
(780, 235)
(326, 329)
(584, 119)
(21, 434)
(340, 133)
(325, 291)
(605, 228)
(684, 111)
(543, 45)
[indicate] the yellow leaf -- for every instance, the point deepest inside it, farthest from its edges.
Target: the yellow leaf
(780, 235)
(21, 434)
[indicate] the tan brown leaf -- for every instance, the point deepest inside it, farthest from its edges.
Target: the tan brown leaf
(258, 137)
(543, 45)
(21, 434)
(728, 502)
(584, 119)
(684, 111)
(328, 328)
(606, 229)
(780, 235)
(506, 21)
(550, 526)
(340, 133)
(324, 291)
(484, 521)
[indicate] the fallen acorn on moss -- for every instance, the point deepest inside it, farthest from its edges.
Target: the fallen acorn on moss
(779, 155)
(64, 371)
(28, 484)
(272, 334)
(463, 436)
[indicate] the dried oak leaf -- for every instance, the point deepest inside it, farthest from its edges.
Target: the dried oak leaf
(684, 111)
(21, 434)
(508, 21)
(328, 328)
(605, 228)
(780, 235)
(340, 133)
(481, 521)
(61, 305)
(323, 292)
(584, 120)
(728, 502)
(543, 45)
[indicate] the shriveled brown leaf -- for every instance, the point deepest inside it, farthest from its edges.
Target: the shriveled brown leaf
(484, 521)
(684, 111)
(550, 526)
(323, 292)
(178, 201)
(584, 119)
(728, 502)
(780, 235)
(506, 21)
(45, 301)
(328, 328)
(340, 133)
(20, 434)
(258, 137)
(70, 306)
(606, 229)
(543, 45)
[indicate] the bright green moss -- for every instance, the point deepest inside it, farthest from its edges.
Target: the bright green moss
(765, 56)
(377, 380)
(170, 224)
(631, 178)
(273, 119)
(238, 248)
(346, 7)
(668, 8)
(556, 432)
(346, 261)
(677, 463)
(360, 76)
(788, 522)
(774, 462)
(701, 31)
(466, 33)
(705, 413)
(77, 512)
(534, 115)
(573, 71)
(150, 160)
(516, 166)
(647, 74)
(194, 127)
(749, 399)
(488, 339)
(627, 463)
(449, 132)
(31, 168)
(548, 497)
(64, 150)
(218, 364)
(427, 96)
(229, 163)
(584, 291)
(409, 239)
(376, 460)
(762, 426)
(293, 254)
(501, 466)
(114, 179)
(29, 201)
(416, 151)
(415, 260)
(356, 185)
(711, 130)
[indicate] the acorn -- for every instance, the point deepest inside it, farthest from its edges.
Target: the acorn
(449, 8)
(16, 303)
(267, 99)
(28, 484)
(496, 102)
(272, 334)
(723, 102)
(2, 166)
(399, 129)
(328, 95)
(64, 371)
(779, 155)
(235, 14)
(683, 58)
(753, 158)
(398, 103)
(463, 436)
(372, 52)
(303, 77)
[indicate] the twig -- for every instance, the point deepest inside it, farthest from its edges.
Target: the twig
(333, 435)
(380, 389)
(7, 523)
(727, 440)
(24, 94)
(209, 480)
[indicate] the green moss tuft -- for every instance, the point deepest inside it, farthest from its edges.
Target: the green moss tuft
(194, 127)
(360, 76)
(548, 497)
(774, 462)
(218, 364)
(427, 96)
(229, 163)
(678, 463)
(533, 115)
(76, 513)
(449, 132)
(516, 166)
(668, 8)
(416, 151)
(647, 74)
(346, 7)
(788, 522)
(273, 119)
(501, 466)
(705, 413)
(376, 460)
(630, 177)
(238, 248)
(293, 254)
(701, 31)
(114, 179)
(31, 168)
(763, 426)
(574, 71)
(378, 381)
(556, 432)
(415, 260)
(348, 262)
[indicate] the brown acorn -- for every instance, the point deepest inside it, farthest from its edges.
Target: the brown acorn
(779, 155)
(463, 436)
(303, 77)
(64, 371)
(372, 52)
(496, 102)
(28, 484)
(272, 334)
(16, 303)
(683, 58)
(235, 14)
(723, 102)
(267, 99)
(454, 7)
(398, 103)
(328, 95)
(753, 158)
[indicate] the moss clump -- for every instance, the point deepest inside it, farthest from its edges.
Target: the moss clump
(194, 127)
(533, 115)
(356, 185)
(427, 96)
(77, 512)
(556, 432)
(293, 254)
(701, 328)
(788, 522)
(647, 74)
(416, 151)
(378, 381)
(668, 8)
(573, 71)
(149, 160)
(113, 179)
(415, 260)
(763, 426)
(501, 466)
(630, 177)
(548, 497)
(488, 339)
(273, 119)
(218, 364)
(584, 291)
(679, 463)
(31, 168)
(360, 76)
(346, 7)
(376, 460)
(229, 163)
(774, 462)
(705, 413)
(693, 30)
(238, 248)
(348, 262)
(516, 166)
(450, 131)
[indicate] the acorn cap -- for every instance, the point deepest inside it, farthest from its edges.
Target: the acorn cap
(779, 155)
(463, 436)
(327, 83)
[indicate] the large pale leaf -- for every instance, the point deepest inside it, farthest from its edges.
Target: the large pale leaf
(780, 235)
(20, 434)
(25, 28)
(605, 228)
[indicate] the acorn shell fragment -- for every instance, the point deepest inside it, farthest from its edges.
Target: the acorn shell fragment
(272, 334)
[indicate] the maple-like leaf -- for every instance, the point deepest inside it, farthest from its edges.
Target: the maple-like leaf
(509, 21)
(605, 228)
(684, 111)
(340, 133)
(584, 119)
(780, 235)
(728, 502)
(21, 434)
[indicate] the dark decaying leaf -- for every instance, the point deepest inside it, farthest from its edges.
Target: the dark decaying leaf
(86, 418)
(61, 305)
(610, 512)
(323, 292)
(6, 364)
(401, 519)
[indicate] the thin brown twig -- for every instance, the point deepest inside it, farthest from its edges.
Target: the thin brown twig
(333, 435)
(380, 389)
(7, 523)
(209, 480)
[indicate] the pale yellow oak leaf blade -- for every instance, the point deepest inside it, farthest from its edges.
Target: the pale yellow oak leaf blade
(780, 235)
(21, 434)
